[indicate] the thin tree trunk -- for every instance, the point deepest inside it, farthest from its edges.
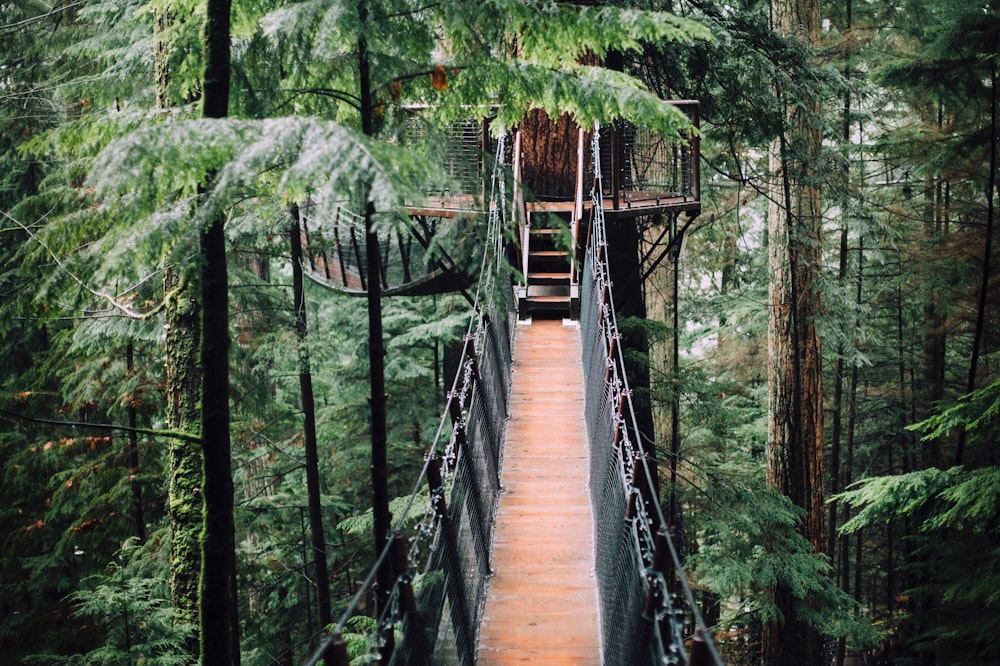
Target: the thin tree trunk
(138, 517)
(220, 638)
(934, 344)
(837, 408)
(309, 428)
(991, 188)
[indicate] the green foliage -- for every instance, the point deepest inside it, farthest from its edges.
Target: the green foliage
(131, 603)
(955, 511)
(978, 413)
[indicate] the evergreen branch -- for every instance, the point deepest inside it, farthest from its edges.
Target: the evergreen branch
(410, 12)
(341, 95)
(124, 309)
(40, 17)
(153, 432)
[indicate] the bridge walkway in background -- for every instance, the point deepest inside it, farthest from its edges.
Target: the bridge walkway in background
(542, 601)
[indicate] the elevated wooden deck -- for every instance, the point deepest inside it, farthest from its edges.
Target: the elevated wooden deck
(542, 602)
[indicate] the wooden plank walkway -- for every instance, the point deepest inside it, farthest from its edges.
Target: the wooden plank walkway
(542, 601)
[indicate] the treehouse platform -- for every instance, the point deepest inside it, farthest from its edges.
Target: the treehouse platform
(550, 198)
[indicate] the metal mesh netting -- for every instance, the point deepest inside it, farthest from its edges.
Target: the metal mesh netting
(641, 622)
(647, 163)
(334, 238)
(458, 151)
(442, 564)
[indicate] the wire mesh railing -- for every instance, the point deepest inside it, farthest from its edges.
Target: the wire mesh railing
(441, 565)
(641, 167)
(334, 244)
(643, 621)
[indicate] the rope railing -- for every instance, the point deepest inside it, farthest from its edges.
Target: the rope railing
(643, 621)
(441, 565)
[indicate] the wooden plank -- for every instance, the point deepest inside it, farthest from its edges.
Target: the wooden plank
(542, 601)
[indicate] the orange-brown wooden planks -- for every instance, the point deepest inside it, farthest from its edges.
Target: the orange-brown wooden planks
(542, 602)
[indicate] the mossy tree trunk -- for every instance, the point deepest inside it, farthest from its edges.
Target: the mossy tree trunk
(184, 501)
(183, 391)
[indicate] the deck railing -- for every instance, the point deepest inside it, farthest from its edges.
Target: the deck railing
(642, 168)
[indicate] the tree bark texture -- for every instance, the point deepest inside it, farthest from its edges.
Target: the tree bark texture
(548, 156)
(795, 408)
(376, 355)
(132, 450)
(184, 500)
(220, 641)
(183, 393)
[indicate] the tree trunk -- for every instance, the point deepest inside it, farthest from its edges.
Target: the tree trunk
(138, 517)
(984, 285)
(376, 355)
(548, 156)
(220, 638)
(935, 342)
(183, 392)
(309, 429)
(795, 423)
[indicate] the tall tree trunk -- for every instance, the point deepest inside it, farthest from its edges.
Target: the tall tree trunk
(184, 499)
(934, 344)
(376, 352)
(183, 393)
(220, 636)
(984, 285)
(309, 428)
(837, 408)
(795, 424)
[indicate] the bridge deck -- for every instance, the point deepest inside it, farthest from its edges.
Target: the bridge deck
(542, 602)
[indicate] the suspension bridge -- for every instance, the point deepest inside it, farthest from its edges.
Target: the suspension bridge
(534, 532)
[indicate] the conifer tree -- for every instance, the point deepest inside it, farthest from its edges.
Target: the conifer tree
(795, 401)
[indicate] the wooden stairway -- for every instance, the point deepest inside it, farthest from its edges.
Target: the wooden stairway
(549, 292)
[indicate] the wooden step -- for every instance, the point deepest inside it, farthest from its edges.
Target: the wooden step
(548, 254)
(547, 277)
(548, 299)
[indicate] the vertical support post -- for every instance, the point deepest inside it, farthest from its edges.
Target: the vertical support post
(413, 622)
(333, 649)
(574, 278)
(615, 168)
(460, 618)
(696, 154)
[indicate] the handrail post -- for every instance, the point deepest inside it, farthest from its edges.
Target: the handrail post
(700, 655)
(332, 649)
(407, 600)
(615, 166)
(458, 601)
